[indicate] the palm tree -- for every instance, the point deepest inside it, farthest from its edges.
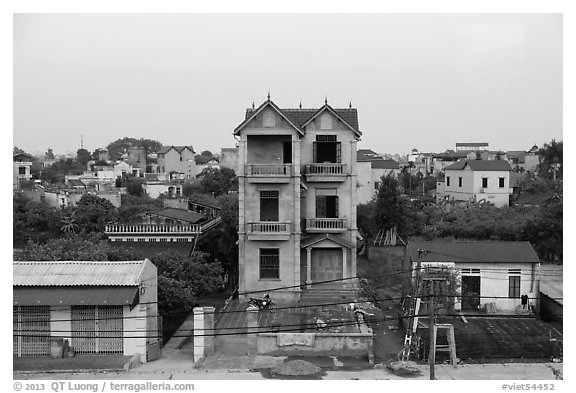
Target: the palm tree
(69, 224)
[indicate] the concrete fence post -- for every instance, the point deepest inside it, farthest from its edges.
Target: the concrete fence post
(199, 339)
(209, 338)
(252, 329)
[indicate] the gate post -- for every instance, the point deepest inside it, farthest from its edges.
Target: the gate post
(252, 329)
(198, 334)
(209, 338)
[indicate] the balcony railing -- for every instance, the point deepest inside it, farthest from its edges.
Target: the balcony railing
(328, 169)
(268, 169)
(268, 227)
(325, 224)
(152, 229)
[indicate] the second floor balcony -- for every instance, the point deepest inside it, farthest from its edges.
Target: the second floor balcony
(326, 172)
(152, 229)
(268, 230)
(268, 173)
(325, 225)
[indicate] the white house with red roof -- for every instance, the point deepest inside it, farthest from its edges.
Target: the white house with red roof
(476, 181)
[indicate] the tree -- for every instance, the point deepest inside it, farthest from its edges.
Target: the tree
(365, 219)
(133, 186)
(551, 160)
(69, 224)
(389, 209)
(65, 249)
(132, 206)
(82, 157)
(49, 155)
(121, 146)
(218, 181)
(17, 150)
(93, 213)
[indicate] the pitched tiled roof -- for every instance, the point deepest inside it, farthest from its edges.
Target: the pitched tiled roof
(69, 273)
(182, 215)
(165, 149)
(385, 164)
(480, 165)
(472, 251)
(367, 155)
(76, 183)
(299, 117)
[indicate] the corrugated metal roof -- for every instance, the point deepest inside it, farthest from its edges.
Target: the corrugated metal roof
(72, 273)
(81, 296)
(472, 251)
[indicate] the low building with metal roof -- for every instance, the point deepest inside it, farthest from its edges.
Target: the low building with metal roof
(492, 276)
(98, 307)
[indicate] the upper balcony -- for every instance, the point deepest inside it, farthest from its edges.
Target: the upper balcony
(268, 173)
(152, 229)
(326, 172)
(268, 230)
(325, 225)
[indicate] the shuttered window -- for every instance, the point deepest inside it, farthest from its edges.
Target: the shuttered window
(269, 263)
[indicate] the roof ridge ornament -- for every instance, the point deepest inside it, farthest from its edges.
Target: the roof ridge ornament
(268, 95)
(325, 100)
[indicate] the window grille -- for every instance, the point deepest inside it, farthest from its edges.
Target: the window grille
(269, 263)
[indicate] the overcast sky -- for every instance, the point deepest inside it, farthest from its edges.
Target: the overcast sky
(422, 81)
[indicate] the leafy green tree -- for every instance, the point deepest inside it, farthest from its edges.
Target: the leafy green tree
(551, 166)
(93, 213)
(132, 206)
(545, 230)
(218, 181)
(365, 219)
(121, 146)
(389, 209)
(64, 249)
(133, 186)
(82, 157)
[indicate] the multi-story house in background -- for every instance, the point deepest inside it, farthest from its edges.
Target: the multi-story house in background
(22, 167)
(177, 159)
(371, 166)
(297, 198)
(478, 181)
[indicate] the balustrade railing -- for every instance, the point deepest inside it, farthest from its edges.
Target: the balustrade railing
(326, 169)
(268, 227)
(268, 169)
(152, 228)
(326, 224)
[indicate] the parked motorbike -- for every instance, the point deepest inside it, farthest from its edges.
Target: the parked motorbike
(264, 303)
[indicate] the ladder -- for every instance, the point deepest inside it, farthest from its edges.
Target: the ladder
(451, 347)
(404, 355)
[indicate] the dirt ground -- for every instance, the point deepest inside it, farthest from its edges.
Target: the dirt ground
(382, 267)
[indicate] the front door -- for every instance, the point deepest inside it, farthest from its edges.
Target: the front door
(97, 329)
(470, 292)
(326, 266)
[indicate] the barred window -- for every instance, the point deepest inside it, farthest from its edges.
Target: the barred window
(269, 263)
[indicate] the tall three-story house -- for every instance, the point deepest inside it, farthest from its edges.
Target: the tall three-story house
(297, 198)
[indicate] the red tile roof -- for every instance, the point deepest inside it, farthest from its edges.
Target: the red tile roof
(472, 251)
(480, 165)
(385, 164)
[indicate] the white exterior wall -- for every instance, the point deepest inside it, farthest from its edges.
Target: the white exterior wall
(472, 186)
(494, 283)
(365, 190)
(154, 190)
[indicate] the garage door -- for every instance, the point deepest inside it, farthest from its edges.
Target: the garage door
(327, 265)
(31, 330)
(97, 329)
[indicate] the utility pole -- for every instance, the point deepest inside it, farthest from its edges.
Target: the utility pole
(432, 351)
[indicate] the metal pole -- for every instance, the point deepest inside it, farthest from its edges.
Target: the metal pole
(432, 351)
